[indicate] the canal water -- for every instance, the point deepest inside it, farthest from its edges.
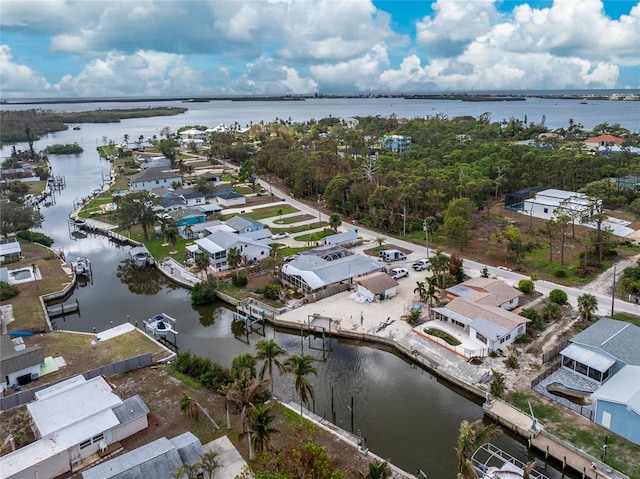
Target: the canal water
(405, 414)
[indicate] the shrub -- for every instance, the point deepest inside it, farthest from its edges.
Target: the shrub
(271, 291)
(35, 237)
(413, 316)
(552, 311)
(203, 293)
(537, 321)
(560, 273)
(558, 296)
(526, 286)
(239, 280)
(7, 291)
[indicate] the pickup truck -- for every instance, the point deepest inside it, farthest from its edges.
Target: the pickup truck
(397, 273)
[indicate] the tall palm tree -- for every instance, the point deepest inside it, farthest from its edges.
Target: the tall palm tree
(268, 351)
(188, 230)
(234, 258)
(203, 260)
(301, 367)
(260, 419)
(471, 436)
(497, 385)
(243, 364)
(587, 305)
(189, 406)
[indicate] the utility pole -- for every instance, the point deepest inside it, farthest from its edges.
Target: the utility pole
(425, 227)
(613, 291)
(319, 214)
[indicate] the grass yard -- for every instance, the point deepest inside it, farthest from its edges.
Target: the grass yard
(446, 337)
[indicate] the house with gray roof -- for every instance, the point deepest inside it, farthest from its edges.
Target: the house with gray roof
(377, 286)
(311, 273)
(231, 198)
(501, 294)
(18, 365)
(159, 459)
(10, 248)
(151, 178)
(218, 244)
(346, 239)
(73, 420)
(244, 224)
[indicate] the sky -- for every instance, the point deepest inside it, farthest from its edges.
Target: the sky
(119, 48)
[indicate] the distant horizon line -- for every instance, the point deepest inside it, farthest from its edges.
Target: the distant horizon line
(567, 93)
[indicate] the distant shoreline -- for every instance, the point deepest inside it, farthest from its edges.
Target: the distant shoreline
(436, 96)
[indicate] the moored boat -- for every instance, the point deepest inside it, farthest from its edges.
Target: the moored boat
(81, 266)
(141, 256)
(160, 325)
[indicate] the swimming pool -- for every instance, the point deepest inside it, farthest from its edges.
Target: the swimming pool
(21, 275)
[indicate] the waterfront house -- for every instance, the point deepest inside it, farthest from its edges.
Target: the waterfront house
(73, 420)
(311, 272)
(377, 286)
(231, 198)
(607, 355)
(153, 178)
(346, 239)
(602, 141)
(10, 249)
(18, 365)
(218, 243)
(158, 459)
(481, 317)
(500, 293)
(396, 143)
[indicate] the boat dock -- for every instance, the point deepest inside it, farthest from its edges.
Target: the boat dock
(61, 309)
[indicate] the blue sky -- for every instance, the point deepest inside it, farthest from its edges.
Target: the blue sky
(85, 48)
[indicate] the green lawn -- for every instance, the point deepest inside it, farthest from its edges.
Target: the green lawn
(293, 219)
(315, 236)
(438, 333)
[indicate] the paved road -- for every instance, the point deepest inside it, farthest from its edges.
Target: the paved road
(474, 268)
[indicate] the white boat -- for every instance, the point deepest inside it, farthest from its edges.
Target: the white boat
(160, 325)
(492, 462)
(141, 256)
(81, 266)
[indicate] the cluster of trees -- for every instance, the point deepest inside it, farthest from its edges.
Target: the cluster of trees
(450, 159)
(68, 149)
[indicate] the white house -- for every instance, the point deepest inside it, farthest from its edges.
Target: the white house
(220, 242)
(153, 178)
(502, 295)
(10, 248)
(73, 419)
(377, 286)
(18, 365)
(192, 134)
(231, 198)
(548, 204)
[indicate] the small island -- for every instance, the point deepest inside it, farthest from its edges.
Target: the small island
(67, 149)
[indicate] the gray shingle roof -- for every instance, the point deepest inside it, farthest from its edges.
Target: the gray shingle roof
(619, 339)
(131, 408)
(151, 174)
(12, 361)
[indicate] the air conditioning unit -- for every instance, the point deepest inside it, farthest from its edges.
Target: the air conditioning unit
(34, 376)
(75, 462)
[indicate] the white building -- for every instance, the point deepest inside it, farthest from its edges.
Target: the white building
(73, 420)
(548, 204)
(18, 365)
(376, 286)
(220, 242)
(154, 178)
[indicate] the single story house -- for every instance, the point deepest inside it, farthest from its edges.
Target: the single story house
(158, 459)
(186, 216)
(10, 248)
(210, 176)
(501, 294)
(479, 317)
(217, 245)
(596, 142)
(551, 203)
(73, 420)
(377, 286)
(244, 224)
(18, 365)
(346, 238)
(310, 272)
(231, 198)
(210, 209)
(617, 403)
(153, 178)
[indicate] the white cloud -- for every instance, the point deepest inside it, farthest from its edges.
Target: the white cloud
(17, 78)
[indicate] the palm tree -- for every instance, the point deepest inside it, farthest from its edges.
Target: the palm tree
(301, 367)
(421, 290)
(171, 233)
(431, 290)
(587, 305)
(268, 351)
(471, 436)
(335, 222)
(234, 258)
(497, 385)
(188, 230)
(380, 240)
(243, 364)
(203, 260)
(260, 419)
(189, 406)
(280, 212)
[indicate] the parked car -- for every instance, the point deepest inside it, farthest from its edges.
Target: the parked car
(397, 273)
(421, 264)
(278, 236)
